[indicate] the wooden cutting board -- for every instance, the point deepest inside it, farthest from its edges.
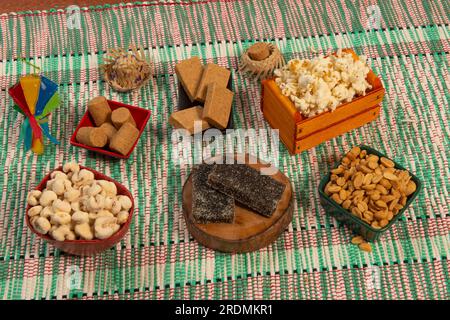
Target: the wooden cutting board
(250, 231)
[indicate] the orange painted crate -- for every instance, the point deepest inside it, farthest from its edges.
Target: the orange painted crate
(299, 133)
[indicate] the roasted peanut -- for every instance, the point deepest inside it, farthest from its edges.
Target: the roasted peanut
(338, 170)
(357, 240)
(383, 223)
(355, 150)
(342, 194)
(368, 215)
(410, 188)
(368, 179)
(365, 247)
(390, 176)
(386, 162)
(340, 181)
(346, 204)
(358, 181)
(334, 188)
(336, 198)
(380, 215)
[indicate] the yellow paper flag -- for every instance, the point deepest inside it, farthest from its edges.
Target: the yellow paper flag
(30, 85)
(37, 146)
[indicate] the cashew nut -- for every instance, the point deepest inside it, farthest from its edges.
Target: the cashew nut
(108, 203)
(75, 206)
(47, 197)
(61, 205)
(84, 201)
(96, 203)
(49, 184)
(71, 167)
(75, 178)
(33, 197)
(104, 213)
(47, 212)
(108, 187)
(61, 218)
(122, 217)
(85, 190)
(71, 235)
(80, 217)
(94, 190)
(58, 187)
(58, 175)
(41, 225)
(34, 211)
(62, 233)
(84, 177)
(33, 219)
(116, 207)
(68, 184)
(125, 202)
(84, 231)
(105, 227)
(72, 195)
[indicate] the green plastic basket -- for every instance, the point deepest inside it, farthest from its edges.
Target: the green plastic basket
(353, 222)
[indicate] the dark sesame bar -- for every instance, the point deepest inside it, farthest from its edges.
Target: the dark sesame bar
(248, 186)
(208, 204)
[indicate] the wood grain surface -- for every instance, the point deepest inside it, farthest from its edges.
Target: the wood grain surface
(250, 231)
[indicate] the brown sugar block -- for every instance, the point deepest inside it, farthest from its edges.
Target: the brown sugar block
(109, 130)
(120, 116)
(186, 119)
(124, 139)
(91, 136)
(259, 51)
(217, 105)
(99, 110)
(212, 73)
(189, 73)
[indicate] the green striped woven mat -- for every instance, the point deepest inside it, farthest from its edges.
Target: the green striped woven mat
(158, 259)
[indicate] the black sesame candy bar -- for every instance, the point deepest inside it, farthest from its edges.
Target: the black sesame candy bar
(208, 204)
(248, 186)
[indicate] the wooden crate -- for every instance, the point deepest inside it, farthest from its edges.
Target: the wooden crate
(299, 133)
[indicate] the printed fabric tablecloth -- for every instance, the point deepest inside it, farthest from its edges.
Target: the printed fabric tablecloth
(313, 258)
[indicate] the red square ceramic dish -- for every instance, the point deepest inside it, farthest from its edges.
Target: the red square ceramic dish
(86, 247)
(140, 116)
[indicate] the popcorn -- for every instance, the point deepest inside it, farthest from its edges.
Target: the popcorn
(323, 83)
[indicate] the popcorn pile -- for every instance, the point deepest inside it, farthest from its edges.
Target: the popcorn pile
(323, 83)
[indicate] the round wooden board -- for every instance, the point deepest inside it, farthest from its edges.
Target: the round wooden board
(250, 231)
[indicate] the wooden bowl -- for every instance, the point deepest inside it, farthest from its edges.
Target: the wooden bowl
(140, 116)
(299, 133)
(86, 247)
(250, 231)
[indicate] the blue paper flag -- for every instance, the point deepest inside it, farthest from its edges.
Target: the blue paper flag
(28, 134)
(46, 91)
(46, 132)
